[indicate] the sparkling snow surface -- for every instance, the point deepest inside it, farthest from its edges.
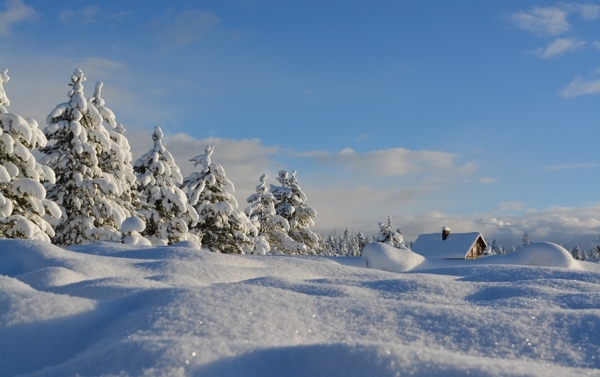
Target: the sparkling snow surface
(111, 309)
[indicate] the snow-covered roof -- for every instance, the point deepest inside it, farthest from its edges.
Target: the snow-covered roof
(457, 245)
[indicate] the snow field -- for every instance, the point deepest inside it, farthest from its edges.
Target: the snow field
(122, 310)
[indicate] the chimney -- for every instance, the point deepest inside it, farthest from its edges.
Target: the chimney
(445, 232)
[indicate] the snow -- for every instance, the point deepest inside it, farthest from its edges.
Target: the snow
(123, 310)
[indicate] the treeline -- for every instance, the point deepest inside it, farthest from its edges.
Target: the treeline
(86, 187)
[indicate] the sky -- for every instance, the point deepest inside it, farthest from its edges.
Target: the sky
(476, 115)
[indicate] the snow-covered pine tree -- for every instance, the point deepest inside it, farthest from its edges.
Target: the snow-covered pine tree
(389, 236)
(290, 204)
(117, 159)
(221, 226)
(576, 253)
(271, 226)
(526, 239)
(169, 216)
(23, 203)
(83, 191)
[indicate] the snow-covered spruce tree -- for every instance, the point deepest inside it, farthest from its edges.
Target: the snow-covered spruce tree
(389, 236)
(526, 239)
(83, 191)
(23, 203)
(169, 216)
(290, 204)
(272, 227)
(116, 160)
(221, 226)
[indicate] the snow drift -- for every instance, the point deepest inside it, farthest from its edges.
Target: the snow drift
(124, 310)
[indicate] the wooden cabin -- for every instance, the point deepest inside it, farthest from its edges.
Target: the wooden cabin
(447, 245)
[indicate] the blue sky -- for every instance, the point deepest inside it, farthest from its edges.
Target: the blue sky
(476, 115)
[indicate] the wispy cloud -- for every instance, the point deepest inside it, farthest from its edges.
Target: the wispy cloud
(180, 29)
(511, 206)
(88, 15)
(542, 21)
(585, 11)
(392, 162)
(579, 87)
(559, 47)
(15, 11)
(487, 180)
(573, 166)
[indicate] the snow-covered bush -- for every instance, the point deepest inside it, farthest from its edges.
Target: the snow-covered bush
(290, 204)
(389, 236)
(169, 216)
(23, 204)
(83, 191)
(221, 226)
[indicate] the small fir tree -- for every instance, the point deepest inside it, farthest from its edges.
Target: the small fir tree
(169, 216)
(23, 203)
(576, 253)
(291, 206)
(389, 236)
(117, 159)
(272, 227)
(526, 239)
(221, 226)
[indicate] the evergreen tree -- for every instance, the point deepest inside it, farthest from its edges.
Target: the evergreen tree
(526, 239)
(116, 160)
(272, 227)
(23, 203)
(222, 227)
(83, 191)
(388, 236)
(362, 241)
(576, 253)
(169, 216)
(290, 204)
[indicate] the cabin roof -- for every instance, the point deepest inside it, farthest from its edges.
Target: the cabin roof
(457, 245)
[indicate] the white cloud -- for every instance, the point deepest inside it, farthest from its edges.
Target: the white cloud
(566, 225)
(580, 86)
(559, 47)
(542, 21)
(16, 11)
(596, 44)
(180, 29)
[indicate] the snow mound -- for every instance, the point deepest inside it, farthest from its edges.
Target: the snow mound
(132, 224)
(544, 254)
(389, 258)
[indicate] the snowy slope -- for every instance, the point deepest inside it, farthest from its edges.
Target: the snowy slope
(110, 309)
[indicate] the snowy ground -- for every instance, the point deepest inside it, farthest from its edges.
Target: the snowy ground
(110, 309)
